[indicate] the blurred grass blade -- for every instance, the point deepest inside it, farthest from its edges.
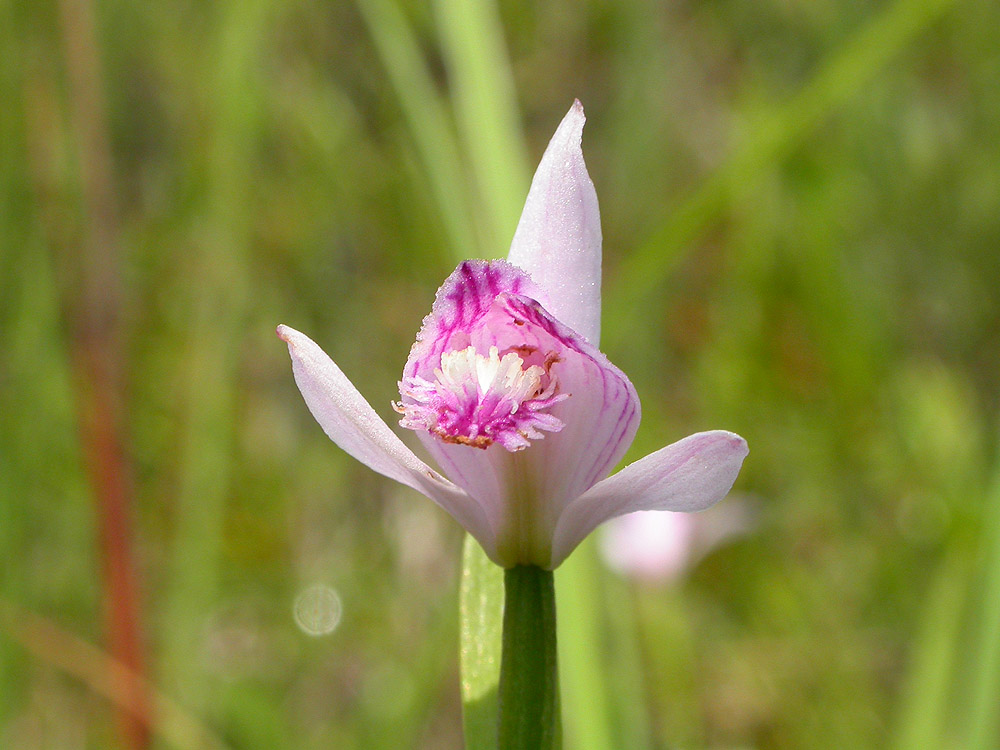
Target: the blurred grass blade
(480, 626)
(427, 117)
(926, 692)
(851, 68)
(628, 680)
(586, 712)
(220, 301)
(982, 720)
(105, 676)
(486, 107)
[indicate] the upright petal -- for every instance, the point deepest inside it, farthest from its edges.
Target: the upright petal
(462, 300)
(558, 239)
(689, 475)
(349, 421)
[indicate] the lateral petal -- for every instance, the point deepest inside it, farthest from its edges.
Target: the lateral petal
(689, 475)
(558, 239)
(350, 421)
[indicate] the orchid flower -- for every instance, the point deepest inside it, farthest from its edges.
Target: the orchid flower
(507, 390)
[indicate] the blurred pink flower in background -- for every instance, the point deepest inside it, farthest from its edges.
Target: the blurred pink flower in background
(656, 546)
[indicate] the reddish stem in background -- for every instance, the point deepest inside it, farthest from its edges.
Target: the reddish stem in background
(108, 473)
(96, 329)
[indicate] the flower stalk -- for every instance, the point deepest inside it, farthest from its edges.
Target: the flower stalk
(529, 676)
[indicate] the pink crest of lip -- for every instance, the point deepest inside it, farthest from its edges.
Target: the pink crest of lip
(473, 312)
(460, 304)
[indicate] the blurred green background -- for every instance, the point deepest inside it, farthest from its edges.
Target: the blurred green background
(801, 212)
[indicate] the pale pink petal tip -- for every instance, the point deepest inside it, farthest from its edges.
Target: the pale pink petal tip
(281, 331)
(570, 130)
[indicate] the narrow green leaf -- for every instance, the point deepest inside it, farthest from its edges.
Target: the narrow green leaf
(627, 692)
(427, 118)
(480, 628)
(587, 714)
(925, 693)
(486, 109)
(982, 719)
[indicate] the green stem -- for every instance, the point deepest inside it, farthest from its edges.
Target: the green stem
(529, 676)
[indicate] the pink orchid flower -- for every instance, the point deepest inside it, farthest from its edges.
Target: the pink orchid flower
(508, 392)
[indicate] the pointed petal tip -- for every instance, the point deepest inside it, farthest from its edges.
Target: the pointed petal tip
(558, 239)
(736, 443)
(295, 339)
(724, 448)
(570, 130)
